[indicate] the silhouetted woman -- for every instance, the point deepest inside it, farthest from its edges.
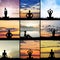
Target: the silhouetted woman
(4, 54)
(9, 34)
(5, 12)
(51, 54)
(26, 35)
(50, 12)
(29, 53)
(29, 15)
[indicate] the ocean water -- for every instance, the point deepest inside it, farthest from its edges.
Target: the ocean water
(31, 33)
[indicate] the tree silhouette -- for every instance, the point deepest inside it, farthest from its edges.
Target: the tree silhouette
(30, 53)
(52, 29)
(29, 15)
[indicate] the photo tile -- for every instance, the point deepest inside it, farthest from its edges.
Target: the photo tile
(50, 49)
(9, 29)
(9, 49)
(30, 49)
(50, 29)
(29, 8)
(30, 29)
(9, 8)
(49, 6)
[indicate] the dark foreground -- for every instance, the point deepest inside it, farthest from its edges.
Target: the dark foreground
(16, 59)
(29, 59)
(50, 59)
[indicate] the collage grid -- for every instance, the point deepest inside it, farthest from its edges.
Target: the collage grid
(29, 29)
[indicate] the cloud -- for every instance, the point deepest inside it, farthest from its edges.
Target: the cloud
(30, 2)
(12, 29)
(28, 49)
(26, 54)
(22, 41)
(30, 28)
(46, 5)
(12, 7)
(23, 5)
(36, 6)
(30, 5)
(57, 51)
(49, 28)
(50, 46)
(14, 54)
(4, 29)
(0, 1)
(23, 54)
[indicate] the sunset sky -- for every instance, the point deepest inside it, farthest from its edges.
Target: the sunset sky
(12, 25)
(47, 45)
(50, 4)
(32, 27)
(11, 47)
(30, 23)
(12, 7)
(34, 45)
(32, 5)
(45, 25)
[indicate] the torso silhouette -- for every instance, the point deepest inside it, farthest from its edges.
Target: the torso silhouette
(50, 14)
(9, 34)
(29, 15)
(26, 35)
(5, 12)
(51, 54)
(4, 54)
(29, 53)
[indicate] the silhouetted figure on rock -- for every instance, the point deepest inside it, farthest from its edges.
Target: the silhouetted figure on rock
(26, 35)
(29, 15)
(30, 53)
(9, 35)
(51, 55)
(4, 54)
(50, 13)
(5, 13)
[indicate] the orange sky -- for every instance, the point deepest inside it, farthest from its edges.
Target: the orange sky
(31, 44)
(23, 15)
(5, 25)
(47, 45)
